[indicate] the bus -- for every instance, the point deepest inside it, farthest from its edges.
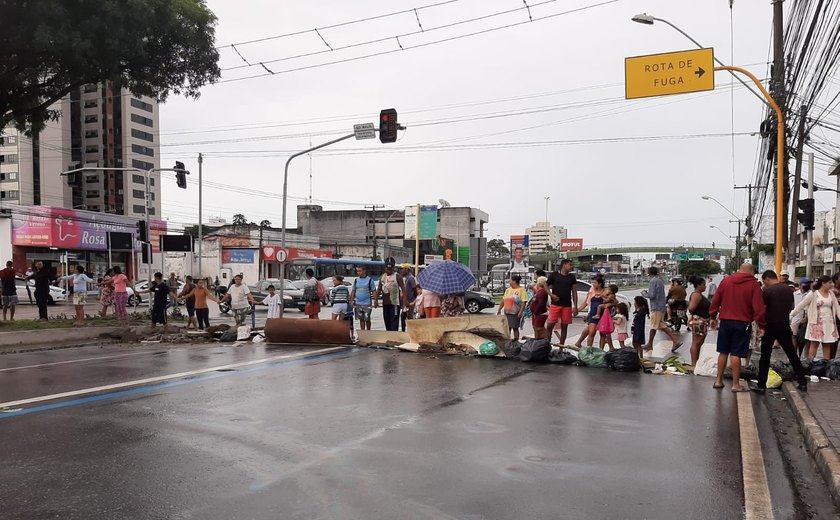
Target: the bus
(329, 267)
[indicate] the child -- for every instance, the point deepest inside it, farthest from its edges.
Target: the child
(609, 300)
(272, 301)
(341, 295)
(639, 316)
(513, 304)
(620, 321)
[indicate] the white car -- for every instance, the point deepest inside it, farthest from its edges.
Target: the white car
(142, 287)
(583, 290)
(26, 292)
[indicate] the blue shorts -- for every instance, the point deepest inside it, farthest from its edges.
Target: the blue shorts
(734, 338)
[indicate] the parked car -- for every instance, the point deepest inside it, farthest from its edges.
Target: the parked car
(142, 287)
(26, 292)
(292, 296)
(475, 302)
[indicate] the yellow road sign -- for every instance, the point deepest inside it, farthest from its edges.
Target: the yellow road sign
(669, 73)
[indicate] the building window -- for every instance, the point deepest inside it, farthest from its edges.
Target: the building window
(9, 176)
(11, 194)
(9, 139)
(143, 165)
(138, 194)
(138, 208)
(93, 208)
(91, 87)
(91, 178)
(92, 148)
(142, 105)
(139, 134)
(92, 194)
(142, 150)
(91, 103)
(142, 120)
(93, 118)
(138, 179)
(91, 134)
(11, 158)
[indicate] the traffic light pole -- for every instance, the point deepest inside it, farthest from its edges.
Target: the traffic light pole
(810, 229)
(780, 164)
(283, 225)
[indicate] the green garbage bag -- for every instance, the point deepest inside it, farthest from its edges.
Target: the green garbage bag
(592, 357)
(488, 348)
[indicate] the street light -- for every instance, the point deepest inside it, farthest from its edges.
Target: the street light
(724, 233)
(646, 19)
(707, 197)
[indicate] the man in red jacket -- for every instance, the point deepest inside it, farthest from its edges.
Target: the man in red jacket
(739, 302)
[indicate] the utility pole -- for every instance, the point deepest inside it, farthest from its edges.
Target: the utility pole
(779, 96)
(373, 208)
(200, 230)
(748, 235)
(793, 241)
(810, 233)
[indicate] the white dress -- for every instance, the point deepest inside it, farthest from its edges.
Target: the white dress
(825, 330)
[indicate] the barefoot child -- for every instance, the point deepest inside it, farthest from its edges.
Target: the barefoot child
(620, 321)
(639, 316)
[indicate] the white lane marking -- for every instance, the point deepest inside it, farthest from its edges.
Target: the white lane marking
(120, 356)
(756, 489)
(158, 379)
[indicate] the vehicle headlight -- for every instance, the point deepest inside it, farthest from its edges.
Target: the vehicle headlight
(486, 296)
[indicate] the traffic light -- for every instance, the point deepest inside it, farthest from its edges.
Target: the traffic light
(806, 218)
(180, 175)
(142, 231)
(388, 125)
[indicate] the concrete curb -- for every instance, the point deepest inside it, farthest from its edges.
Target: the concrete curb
(823, 452)
(51, 339)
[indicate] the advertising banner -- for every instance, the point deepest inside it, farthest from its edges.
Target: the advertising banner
(428, 222)
(519, 241)
(292, 253)
(571, 244)
(40, 226)
(238, 256)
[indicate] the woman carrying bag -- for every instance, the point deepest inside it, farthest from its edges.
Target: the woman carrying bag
(822, 313)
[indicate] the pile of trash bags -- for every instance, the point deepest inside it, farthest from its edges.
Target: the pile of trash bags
(541, 351)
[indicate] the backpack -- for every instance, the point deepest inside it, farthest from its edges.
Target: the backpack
(320, 289)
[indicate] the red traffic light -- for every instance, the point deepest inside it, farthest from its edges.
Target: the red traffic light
(388, 125)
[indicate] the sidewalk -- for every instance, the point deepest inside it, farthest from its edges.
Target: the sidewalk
(818, 413)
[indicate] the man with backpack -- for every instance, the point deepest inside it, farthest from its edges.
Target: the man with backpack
(361, 297)
(390, 287)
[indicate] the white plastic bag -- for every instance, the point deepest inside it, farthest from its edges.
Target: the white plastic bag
(243, 333)
(706, 366)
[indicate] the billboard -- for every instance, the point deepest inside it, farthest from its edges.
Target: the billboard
(519, 241)
(571, 244)
(41, 226)
(239, 256)
(292, 253)
(428, 222)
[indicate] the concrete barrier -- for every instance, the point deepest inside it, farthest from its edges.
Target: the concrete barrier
(433, 330)
(320, 332)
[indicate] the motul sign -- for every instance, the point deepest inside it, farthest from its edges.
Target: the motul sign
(571, 244)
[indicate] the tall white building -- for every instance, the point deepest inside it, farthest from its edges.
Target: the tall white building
(543, 234)
(98, 127)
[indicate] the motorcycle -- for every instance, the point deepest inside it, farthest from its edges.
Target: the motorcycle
(679, 315)
(224, 308)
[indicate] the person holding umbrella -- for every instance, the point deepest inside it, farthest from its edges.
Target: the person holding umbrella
(443, 278)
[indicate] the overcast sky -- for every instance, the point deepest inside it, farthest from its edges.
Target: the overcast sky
(559, 79)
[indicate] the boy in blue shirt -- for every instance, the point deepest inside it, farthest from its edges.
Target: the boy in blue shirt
(360, 297)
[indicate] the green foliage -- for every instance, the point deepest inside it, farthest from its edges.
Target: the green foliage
(51, 47)
(496, 249)
(239, 220)
(265, 223)
(699, 268)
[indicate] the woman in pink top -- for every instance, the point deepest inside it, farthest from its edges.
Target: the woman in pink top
(120, 281)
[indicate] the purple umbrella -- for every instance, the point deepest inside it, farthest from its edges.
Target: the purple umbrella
(446, 277)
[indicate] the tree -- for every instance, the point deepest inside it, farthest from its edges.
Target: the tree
(265, 223)
(496, 248)
(52, 47)
(699, 268)
(240, 220)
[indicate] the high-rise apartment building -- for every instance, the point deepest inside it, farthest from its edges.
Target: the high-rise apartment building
(99, 127)
(543, 234)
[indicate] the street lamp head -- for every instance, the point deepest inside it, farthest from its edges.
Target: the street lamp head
(643, 18)
(705, 197)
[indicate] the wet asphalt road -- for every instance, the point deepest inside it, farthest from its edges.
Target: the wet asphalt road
(365, 434)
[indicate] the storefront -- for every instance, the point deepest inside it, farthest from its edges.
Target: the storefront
(64, 238)
(272, 255)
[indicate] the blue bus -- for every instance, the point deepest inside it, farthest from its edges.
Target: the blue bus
(329, 267)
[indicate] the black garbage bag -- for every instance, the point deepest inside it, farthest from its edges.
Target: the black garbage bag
(535, 351)
(624, 360)
(833, 370)
(818, 367)
(784, 370)
(512, 349)
(749, 372)
(561, 357)
(229, 336)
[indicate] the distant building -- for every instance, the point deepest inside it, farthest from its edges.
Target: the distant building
(543, 234)
(98, 127)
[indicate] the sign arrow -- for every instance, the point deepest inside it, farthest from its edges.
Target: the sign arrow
(699, 72)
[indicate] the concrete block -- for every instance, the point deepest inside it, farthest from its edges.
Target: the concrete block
(433, 330)
(382, 337)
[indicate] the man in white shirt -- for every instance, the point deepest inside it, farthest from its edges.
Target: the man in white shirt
(240, 299)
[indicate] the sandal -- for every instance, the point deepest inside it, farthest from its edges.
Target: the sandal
(676, 347)
(717, 386)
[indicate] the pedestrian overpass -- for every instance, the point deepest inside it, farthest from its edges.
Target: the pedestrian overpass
(624, 249)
